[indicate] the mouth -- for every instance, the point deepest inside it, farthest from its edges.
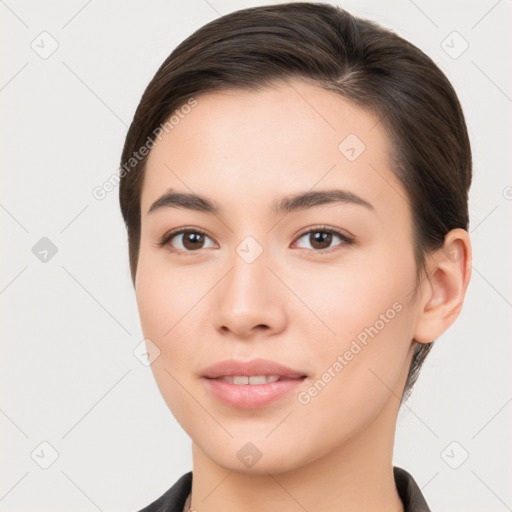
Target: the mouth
(253, 380)
(251, 384)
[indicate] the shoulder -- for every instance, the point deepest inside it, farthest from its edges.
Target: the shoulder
(409, 491)
(173, 500)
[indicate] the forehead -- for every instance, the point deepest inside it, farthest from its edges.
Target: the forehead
(253, 145)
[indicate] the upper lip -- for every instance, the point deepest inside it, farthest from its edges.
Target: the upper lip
(250, 368)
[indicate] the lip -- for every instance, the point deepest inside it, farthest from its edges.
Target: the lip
(253, 367)
(251, 396)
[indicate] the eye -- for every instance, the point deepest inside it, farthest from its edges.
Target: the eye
(188, 240)
(321, 238)
(185, 240)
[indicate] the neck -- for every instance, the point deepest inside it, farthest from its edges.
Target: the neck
(357, 475)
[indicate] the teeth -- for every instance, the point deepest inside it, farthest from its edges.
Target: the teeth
(253, 379)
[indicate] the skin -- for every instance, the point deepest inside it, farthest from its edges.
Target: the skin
(293, 304)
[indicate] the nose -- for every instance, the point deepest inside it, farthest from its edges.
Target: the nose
(250, 299)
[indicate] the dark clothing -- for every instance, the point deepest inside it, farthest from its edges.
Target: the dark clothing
(174, 499)
(409, 492)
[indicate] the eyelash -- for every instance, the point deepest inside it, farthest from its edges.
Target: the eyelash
(166, 239)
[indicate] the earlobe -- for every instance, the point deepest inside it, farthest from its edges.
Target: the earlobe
(449, 271)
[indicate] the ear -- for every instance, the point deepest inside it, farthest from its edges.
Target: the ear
(449, 271)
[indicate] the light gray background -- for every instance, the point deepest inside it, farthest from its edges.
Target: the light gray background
(68, 374)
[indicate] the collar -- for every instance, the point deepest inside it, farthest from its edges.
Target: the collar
(173, 500)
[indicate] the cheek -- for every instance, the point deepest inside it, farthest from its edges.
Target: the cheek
(347, 301)
(163, 316)
(171, 303)
(363, 355)
(152, 302)
(162, 295)
(356, 379)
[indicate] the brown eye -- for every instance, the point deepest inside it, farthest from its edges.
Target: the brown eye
(192, 240)
(185, 240)
(321, 239)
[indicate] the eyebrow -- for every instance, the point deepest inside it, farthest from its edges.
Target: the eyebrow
(287, 204)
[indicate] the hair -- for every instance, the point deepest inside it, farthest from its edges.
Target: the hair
(371, 66)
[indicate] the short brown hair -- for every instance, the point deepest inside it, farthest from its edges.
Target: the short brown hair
(373, 67)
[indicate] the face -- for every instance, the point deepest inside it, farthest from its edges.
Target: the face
(322, 286)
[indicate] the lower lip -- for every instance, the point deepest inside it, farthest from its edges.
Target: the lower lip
(250, 396)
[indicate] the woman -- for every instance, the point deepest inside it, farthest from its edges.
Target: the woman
(294, 185)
